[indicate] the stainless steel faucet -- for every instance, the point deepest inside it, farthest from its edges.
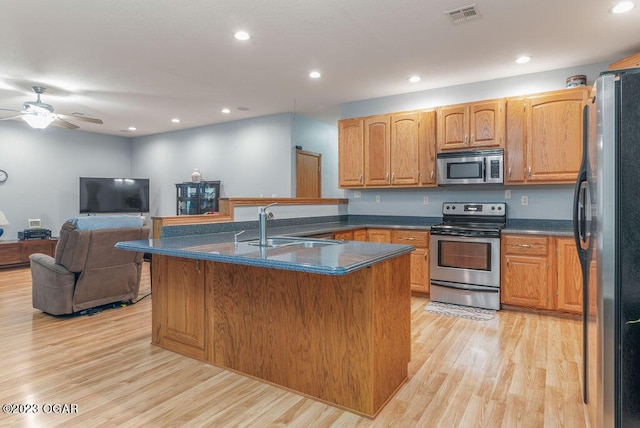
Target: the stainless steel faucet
(263, 216)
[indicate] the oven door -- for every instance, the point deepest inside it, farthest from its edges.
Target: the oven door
(465, 260)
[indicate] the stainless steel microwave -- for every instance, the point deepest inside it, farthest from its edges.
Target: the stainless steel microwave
(476, 167)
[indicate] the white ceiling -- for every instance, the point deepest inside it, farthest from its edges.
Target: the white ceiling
(142, 62)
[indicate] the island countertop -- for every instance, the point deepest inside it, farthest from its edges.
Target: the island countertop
(339, 259)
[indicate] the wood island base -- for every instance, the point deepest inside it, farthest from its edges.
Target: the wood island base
(344, 339)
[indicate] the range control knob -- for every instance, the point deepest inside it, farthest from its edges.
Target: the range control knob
(499, 208)
(493, 208)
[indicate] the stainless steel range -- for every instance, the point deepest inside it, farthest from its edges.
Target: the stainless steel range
(465, 248)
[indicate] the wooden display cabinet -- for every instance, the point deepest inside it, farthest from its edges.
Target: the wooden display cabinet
(197, 198)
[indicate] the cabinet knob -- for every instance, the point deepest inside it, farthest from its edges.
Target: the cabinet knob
(529, 171)
(387, 178)
(509, 172)
(360, 178)
(393, 177)
(472, 138)
(466, 138)
(432, 174)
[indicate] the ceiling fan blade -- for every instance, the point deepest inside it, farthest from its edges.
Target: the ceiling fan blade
(64, 123)
(10, 117)
(83, 118)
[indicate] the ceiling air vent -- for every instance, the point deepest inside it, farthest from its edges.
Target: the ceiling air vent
(463, 14)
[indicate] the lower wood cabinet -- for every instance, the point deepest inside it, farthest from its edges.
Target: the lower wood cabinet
(344, 236)
(420, 276)
(179, 306)
(569, 278)
(541, 272)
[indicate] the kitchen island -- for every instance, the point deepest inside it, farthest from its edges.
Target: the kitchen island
(329, 319)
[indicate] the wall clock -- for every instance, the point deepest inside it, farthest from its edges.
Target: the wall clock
(3, 176)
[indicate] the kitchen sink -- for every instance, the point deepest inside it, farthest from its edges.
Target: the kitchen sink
(298, 242)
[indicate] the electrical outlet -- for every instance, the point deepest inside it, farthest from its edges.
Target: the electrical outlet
(525, 200)
(377, 198)
(274, 195)
(425, 200)
(357, 194)
(507, 194)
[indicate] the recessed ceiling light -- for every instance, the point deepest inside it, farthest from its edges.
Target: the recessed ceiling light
(242, 35)
(622, 7)
(414, 79)
(132, 128)
(225, 110)
(315, 75)
(523, 59)
(175, 120)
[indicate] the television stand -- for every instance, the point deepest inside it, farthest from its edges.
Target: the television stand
(16, 253)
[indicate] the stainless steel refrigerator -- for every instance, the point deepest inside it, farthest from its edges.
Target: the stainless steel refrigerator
(607, 230)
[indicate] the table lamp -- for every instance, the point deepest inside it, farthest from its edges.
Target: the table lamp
(3, 222)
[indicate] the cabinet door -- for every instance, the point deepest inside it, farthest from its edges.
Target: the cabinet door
(346, 236)
(569, 280)
(453, 126)
(554, 136)
(486, 124)
(376, 150)
(351, 153)
(427, 148)
(515, 140)
(526, 281)
(420, 270)
(360, 235)
(181, 323)
(379, 235)
(405, 154)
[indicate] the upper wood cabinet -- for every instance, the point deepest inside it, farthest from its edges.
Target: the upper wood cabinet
(351, 152)
(471, 126)
(404, 149)
(632, 61)
(397, 150)
(427, 148)
(544, 137)
(377, 158)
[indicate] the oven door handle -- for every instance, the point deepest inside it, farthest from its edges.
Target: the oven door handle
(465, 286)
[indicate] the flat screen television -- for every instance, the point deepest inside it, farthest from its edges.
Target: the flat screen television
(114, 195)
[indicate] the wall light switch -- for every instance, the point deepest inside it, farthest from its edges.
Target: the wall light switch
(425, 200)
(507, 194)
(525, 200)
(377, 198)
(357, 194)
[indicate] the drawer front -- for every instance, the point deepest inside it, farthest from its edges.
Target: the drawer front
(417, 238)
(526, 245)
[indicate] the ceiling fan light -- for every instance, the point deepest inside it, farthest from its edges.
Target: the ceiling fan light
(38, 121)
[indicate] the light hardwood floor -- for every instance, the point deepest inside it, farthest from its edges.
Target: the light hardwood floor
(519, 369)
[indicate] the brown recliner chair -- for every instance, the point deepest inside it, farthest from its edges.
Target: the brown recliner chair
(87, 270)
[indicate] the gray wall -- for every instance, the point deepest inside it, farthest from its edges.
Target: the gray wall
(546, 202)
(250, 157)
(319, 137)
(44, 167)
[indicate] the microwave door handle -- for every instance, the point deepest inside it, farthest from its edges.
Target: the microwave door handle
(484, 169)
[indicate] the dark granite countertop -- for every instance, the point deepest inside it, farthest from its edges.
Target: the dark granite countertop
(341, 258)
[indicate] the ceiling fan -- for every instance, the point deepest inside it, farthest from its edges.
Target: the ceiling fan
(39, 115)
